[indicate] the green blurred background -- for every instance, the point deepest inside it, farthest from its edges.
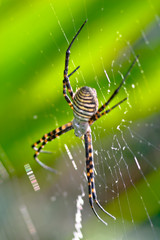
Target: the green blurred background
(34, 36)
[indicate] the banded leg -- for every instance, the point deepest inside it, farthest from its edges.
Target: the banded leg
(98, 115)
(90, 176)
(68, 87)
(47, 138)
(117, 90)
(66, 82)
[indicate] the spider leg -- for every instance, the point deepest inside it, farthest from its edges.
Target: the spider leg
(91, 202)
(47, 138)
(66, 82)
(74, 71)
(117, 90)
(98, 115)
(90, 176)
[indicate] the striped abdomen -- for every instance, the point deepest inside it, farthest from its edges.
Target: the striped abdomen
(85, 103)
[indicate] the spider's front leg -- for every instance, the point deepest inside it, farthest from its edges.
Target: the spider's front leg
(47, 138)
(90, 176)
(66, 82)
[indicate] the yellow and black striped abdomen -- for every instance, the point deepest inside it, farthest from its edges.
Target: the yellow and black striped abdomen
(85, 103)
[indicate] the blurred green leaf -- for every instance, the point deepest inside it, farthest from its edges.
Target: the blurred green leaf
(34, 36)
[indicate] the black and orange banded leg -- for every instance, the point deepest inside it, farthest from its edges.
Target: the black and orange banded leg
(47, 138)
(66, 82)
(90, 176)
(98, 115)
(117, 90)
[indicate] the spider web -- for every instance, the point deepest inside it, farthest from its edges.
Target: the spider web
(126, 150)
(124, 162)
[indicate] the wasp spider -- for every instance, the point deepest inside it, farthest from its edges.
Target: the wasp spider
(85, 109)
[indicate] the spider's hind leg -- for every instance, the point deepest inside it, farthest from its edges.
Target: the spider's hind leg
(66, 82)
(100, 112)
(120, 85)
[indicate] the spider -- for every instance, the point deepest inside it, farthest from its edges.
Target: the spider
(85, 110)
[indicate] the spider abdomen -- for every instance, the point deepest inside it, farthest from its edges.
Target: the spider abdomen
(85, 103)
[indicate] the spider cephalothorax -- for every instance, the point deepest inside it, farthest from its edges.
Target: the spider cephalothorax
(85, 109)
